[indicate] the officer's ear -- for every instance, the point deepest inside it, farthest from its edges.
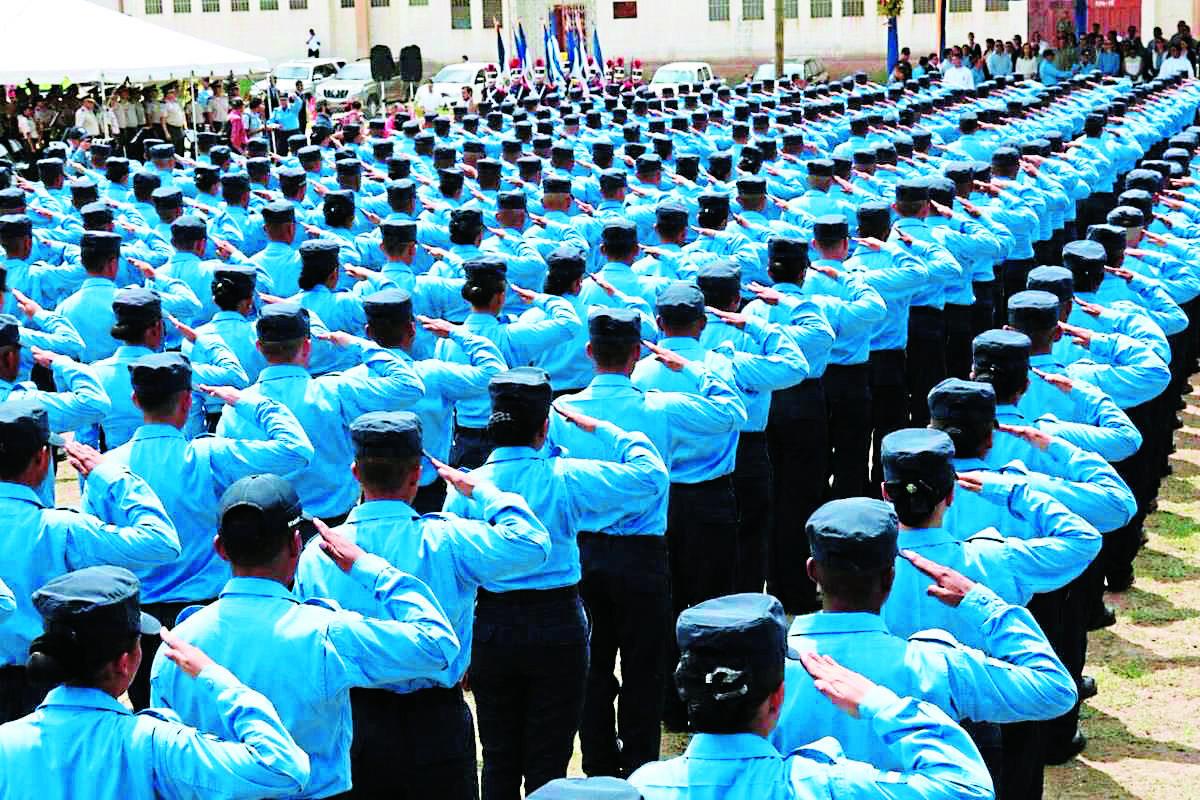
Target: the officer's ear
(810, 567)
(219, 546)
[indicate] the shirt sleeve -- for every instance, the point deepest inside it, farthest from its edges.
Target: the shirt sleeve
(388, 383)
(503, 538)
(286, 449)
(263, 761)
(123, 523)
(603, 492)
(83, 401)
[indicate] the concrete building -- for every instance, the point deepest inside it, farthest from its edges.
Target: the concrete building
(653, 30)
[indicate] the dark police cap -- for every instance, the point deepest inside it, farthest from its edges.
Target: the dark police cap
(730, 647)
(466, 221)
(272, 497)
(309, 154)
(488, 167)
(339, 202)
(553, 184)
(1058, 281)
(671, 213)
(101, 244)
(398, 231)
(680, 303)
(291, 179)
(873, 213)
(1110, 237)
(137, 306)
(614, 325)
(161, 373)
(235, 182)
(912, 191)
(348, 167)
(485, 267)
(239, 276)
(512, 200)
(219, 154)
(399, 191)
(450, 180)
(567, 262)
(24, 428)
(1126, 217)
(866, 157)
(956, 400)
(1033, 310)
(1084, 256)
(1002, 350)
(258, 167)
(188, 229)
(1005, 157)
(598, 788)
(319, 254)
(1139, 199)
(167, 197)
(84, 189)
(787, 252)
(95, 607)
(713, 203)
(619, 232)
(612, 179)
(96, 215)
(959, 173)
(161, 152)
(524, 388)
(918, 461)
(282, 322)
(10, 330)
(855, 534)
(386, 434)
(720, 275)
(12, 199)
(278, 212)
(754, 186)
(390, 305)
(830, 228)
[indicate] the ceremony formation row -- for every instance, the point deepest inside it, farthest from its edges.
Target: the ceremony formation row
(565, 404)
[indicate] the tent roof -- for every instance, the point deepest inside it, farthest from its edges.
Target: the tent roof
(52, 40)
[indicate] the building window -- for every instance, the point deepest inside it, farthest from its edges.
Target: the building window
(995, 5)
(210, 6)
(418, 2)
(791, 9)
(718, 10)
(752, 9)
(153, 7)
(268, 5)
(958, 6)
(923, 6)
(183, 6)
(820, 8)
(460, 15)
(298, 5)
(347, 3)
(852, 8)
(239, 5)
(492, 10)
(380, 3)
(625, 9)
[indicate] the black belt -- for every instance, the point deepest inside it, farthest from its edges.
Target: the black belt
(458, 429)
(640, 541)
(529, 597)
(407, 701)
(12, 672)
(723, 482)
(924, 312)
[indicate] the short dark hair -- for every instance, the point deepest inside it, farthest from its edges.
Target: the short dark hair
(156, 403)
(856, 589)
(968, 437)
(385, 473)
(247, 542)
(612, 354)
(281, 351)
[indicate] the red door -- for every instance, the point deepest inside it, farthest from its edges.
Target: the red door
(1043, 14)
(1115, 15)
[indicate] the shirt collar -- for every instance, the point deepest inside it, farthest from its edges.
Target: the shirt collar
(382, 509)
(258, 587)
(837, 622)
(730, 747)
(19, 491)
(925, 537)
(512, 454)
(81, 697)
(157, 430)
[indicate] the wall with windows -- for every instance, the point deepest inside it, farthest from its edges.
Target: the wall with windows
(653, 30)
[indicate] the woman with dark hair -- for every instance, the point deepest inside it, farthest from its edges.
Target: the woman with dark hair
(89, 651)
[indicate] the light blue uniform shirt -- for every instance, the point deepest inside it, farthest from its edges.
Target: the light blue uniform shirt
(807, 319)
(938, 760)
(305, 657)
(124, 525)
(1015, 677)
(858, 308)
(277, 267)
(200, 472)
(696, 460)
(326, 406)
(522, 342)
(453, 555)
(1125, 369)
(895, 274)
(764, 359)
(945, 272)
(82, 742)
(570, 495)
(1085, 417)
(90, 311)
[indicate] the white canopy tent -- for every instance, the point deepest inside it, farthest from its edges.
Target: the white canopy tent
(51, 40)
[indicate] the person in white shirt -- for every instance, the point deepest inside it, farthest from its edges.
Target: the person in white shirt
(218, 106)
(173, 119)
(313, 44)
(1174, 63)
(956, 75)
(85, 117)
(27, 128)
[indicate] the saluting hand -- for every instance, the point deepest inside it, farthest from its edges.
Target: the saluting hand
(463, 482)
(767, 294)
(526, 295)
(187, 331)
(189, 658)
(438, 327)
(581, 421)
(670, 359)
(1061, 382)
(340, 550)
(226, 394)
(845, 688)
(948, 586)
(1079, 336)
(28, 307)
(336, 338)
(1091, 309)
(971, 481)
(83, 458)
(729, 317)
(1038, 439)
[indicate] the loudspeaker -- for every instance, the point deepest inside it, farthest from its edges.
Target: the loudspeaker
(410, 64)
(383, 66)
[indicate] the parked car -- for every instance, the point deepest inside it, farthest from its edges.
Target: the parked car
(811, 68)
(680, 73)
(353, 82)
(447, 85)
(309, 71)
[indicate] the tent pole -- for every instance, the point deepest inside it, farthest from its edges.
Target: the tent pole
(192, 85)
(103, 105)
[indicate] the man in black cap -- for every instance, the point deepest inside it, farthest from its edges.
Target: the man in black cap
(205, 467)
(324, 405)
(192, 264)
(88, 651)
(43, 270)
(530, 656)
(730, 675)
(327, 651)
(416, 738)
(625, 578)
(130, 529)
(278, 263)
(238, 225)
(618, 251)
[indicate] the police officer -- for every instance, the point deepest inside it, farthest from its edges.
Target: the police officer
(530, 653)
(125, 525)
(89, 651)
(258, 625)
(417, 738)
(731, 676)
(203, 469)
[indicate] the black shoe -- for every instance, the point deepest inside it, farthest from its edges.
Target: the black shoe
(1087, 688)
(1121, 584)
(1074, 747)
(1103, 619)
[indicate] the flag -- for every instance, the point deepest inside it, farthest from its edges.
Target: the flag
(893, 46)
(597, 54)
(553, 57)
(522, 45)
(571, 57)
(501, 64)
